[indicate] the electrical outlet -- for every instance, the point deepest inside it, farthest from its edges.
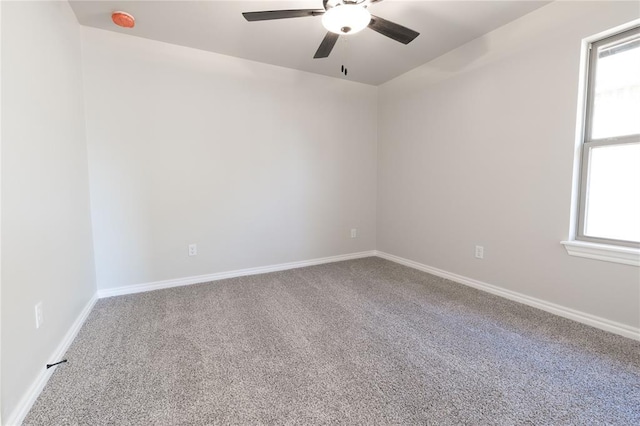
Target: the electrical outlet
(39, 316)
(354, 233)
(193, 250)
(479, 252)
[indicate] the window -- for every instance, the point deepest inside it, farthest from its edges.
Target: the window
(609, 198)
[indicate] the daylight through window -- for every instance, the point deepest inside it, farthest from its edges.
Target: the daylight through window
(610, 173)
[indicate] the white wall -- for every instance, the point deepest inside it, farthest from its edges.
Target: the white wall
(1, 214)
(477, 147)
(257, 164)
(46, 230)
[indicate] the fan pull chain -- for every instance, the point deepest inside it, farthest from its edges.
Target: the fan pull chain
(345, 53)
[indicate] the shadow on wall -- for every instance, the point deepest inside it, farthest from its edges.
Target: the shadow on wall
(447, 62)
(437, 23)
(489, 48)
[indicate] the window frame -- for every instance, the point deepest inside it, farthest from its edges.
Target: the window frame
(587, 142)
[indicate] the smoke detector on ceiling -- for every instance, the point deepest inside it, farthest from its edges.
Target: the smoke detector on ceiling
(123, 19)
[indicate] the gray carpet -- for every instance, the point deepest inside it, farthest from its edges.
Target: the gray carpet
(358, 342)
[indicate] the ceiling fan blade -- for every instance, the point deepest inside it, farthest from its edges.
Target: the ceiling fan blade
(327, 45)
(268, 15)
(392, 30)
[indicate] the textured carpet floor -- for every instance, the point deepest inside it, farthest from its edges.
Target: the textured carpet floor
(358, 342)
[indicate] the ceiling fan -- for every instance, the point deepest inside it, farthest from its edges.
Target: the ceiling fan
(341, 17)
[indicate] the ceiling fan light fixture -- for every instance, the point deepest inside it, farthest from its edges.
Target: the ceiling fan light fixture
(346, 19)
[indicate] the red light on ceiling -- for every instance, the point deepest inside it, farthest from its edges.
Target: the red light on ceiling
(123, 19)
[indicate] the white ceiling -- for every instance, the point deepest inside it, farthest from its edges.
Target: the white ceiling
(371, 58)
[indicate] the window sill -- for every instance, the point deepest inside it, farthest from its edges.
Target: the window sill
(617, 254)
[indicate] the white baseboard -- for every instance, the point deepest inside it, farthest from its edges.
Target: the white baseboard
(582, 317)
(178, 282)
(572, 314)
(29, 398)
